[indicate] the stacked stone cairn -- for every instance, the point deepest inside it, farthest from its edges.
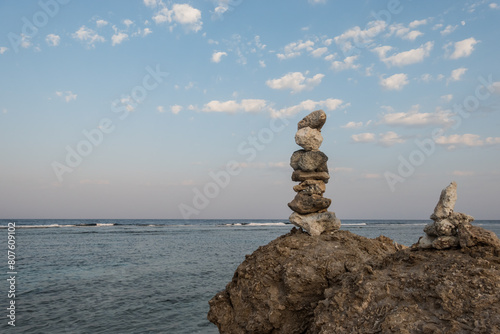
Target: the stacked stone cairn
(310, 169)
(449, 229)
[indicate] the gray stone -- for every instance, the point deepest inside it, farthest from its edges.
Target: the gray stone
(470, 236)
(314, 120)
(304, 203)
(446, 202)
(430, 229)
(445, 227)
(311, 161)
(299, 175)
(458, 219)
(295, 158)
(311, 187)
(444, 242)
(309, 139)
(316, 223)
(425, 242)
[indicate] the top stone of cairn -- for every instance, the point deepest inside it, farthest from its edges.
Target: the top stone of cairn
(314, 120)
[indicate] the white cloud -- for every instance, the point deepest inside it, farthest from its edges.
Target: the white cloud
(232, 106)
(3, 49)
(118, 38)
(437, 26)
(426, 77)
(347, 64)
(457, 74)
(128, 22)
(150, 3)
(160, 109)
(175, 109)
(315, 2)
(308, 105)
(404, 58)
(416, 118)
(67, 96)
(447, 98)
(360, 37)
(448, 30)
(394, 82)
(253, 105)
(366, 137)
(216, 56)
(295, 49)
(189, 17)
(88, 35)
(353, 125)
(218, 106)
(494, 5)
(319, 52)
(467, 140)
(390, 138)
(142, 32)
(52, 39)
(417, 23)
(101, 23)
(262, 63)
(4, 111)
(403, 32)
(463, 48)
(295, 81)
(387, 139)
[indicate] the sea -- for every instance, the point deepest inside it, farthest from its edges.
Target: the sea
(138, 276)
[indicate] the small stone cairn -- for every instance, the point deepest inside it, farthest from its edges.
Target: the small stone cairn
(450, 229)
(310, 169)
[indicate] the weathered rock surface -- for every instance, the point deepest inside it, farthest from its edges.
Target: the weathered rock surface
(299, 175)
(309, 161)
(309, 139)
(311, 187)
(343, 283)
(314, 120)
(304, 203)
(450, 291)
(278, 287)
(316, 223)
(446, 202)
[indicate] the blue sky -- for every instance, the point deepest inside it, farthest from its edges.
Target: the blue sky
(165, 109)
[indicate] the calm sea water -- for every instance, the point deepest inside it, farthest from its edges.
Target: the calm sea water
(141, 276)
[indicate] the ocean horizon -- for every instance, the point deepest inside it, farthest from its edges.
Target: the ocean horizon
(145, 275)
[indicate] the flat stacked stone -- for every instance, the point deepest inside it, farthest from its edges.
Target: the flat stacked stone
(311, 170)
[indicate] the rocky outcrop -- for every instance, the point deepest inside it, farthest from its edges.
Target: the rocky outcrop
(453, 229)
(278, 287)
(311, 169)
(319, 283)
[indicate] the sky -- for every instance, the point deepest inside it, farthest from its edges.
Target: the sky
(162, 109)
